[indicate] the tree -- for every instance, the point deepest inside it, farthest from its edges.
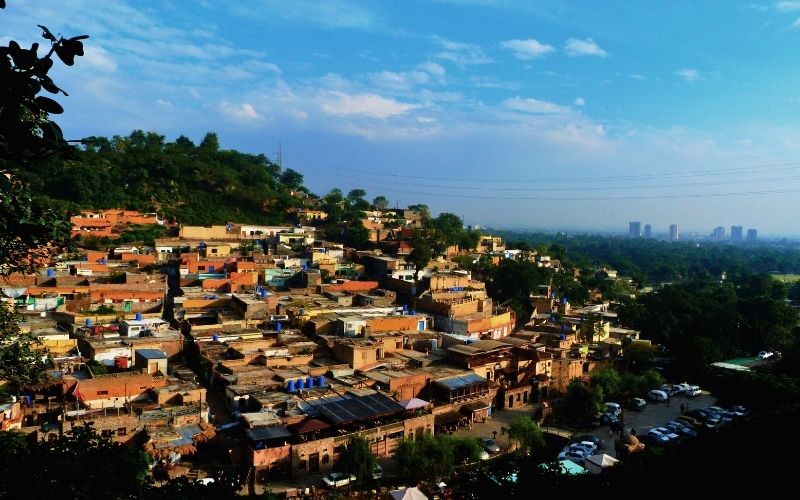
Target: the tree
(358, 459)
(609, 379)
(526, 433)
(28, 138)
(79, 464)
(380, 203)
(22, 360)
(292, 178)
(591, 326)
(421, 253)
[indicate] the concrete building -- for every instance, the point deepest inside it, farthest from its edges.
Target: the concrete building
(634, 229)
(718, 234)
(752, 235)
(648, 231)
(736, 234)
(673, 232)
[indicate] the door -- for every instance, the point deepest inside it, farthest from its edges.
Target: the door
(313, 462)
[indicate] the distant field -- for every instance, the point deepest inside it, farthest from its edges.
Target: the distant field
(787, 278)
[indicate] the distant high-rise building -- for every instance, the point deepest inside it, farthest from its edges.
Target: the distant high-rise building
(648, 231)
(718, 234)
(736, 234)
(752, 235)
(635, 229)
(673, 232)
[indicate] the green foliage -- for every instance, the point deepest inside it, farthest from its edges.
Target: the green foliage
(608, 379)
(358, 459)
(580, 401)
(380, 203)
(526, 432)
(434, 458)
(28, 137)
(193, 184)
(703, 321)
(80, 464)
(514, 281)
(22, 360)
(421, 253)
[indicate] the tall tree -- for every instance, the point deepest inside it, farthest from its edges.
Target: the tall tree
(22, 359)
(526, 433)
(380, 203)
(358, 459)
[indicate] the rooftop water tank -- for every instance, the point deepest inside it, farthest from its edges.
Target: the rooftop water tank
(51, 272)
(309, 382)
(290, 386)
(278, 326)
(138, 316)
(301, 384)
(321, 381)
(87, 322)
(215, 338)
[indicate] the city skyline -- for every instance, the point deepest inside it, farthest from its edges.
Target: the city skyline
(572, 116)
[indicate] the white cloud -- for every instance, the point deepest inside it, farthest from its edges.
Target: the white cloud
(689, 75)
(162, 102)
(462, 54)
(576, 47)
(795, 24)
(787, 6)
(527, 49)
(579, 101)
(370, 105)
(99, 58)
(637, 76)
(433, 69)
(534, 106)
(423, 74)
(239, 112)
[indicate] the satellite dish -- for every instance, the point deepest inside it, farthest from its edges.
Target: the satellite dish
(13, 293)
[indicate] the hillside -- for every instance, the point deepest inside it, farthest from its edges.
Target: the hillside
(196, 184)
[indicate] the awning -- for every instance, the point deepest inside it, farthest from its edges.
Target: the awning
(471, 408)
(447, 418)
(308, 425)
(414, 403)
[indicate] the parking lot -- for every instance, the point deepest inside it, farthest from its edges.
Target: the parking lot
(653, 415)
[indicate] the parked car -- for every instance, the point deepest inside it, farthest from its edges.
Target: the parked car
(636, 403)
(765, 354)
(670, 389)
(613, 408)
(657, 436)
(683, 387)
(693, 391)
(657, 395)
(740, 411)
(377, 472)
(667, 432)
(680, 429)
(490, 445)
(598, 442)
(574, 456)
(484, 455)
(690, 420)
(338, 479)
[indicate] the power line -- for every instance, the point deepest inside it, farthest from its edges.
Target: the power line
(594, 188)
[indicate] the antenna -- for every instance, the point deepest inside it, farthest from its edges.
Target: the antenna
(280, 155)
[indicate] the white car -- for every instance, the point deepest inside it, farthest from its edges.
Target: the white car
(338, 479)
(765, 354)
(575, 456)
(693, 391)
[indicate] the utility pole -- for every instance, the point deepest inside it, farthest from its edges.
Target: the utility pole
(280, 155)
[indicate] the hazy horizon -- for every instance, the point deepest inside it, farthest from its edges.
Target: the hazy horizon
(536, 114)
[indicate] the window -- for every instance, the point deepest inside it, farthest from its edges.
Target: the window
(325, 458)
(201, 268)
(102, 393)
(122, 431)
(303, 464)
(213, 250)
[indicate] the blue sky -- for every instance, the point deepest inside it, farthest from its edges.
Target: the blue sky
(547, 115)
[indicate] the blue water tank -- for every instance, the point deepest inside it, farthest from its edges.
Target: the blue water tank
(215, 338)
(321, 381)
(302, 311)
(278, 326)
(301, 384)
(413, 312)
(309, 382)
(562, 337)
(87, 322)
(51, 272)
(138, 316)
(405, 307)
(263, 293)
(210, 269)
(564, 300)
(290, 386)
